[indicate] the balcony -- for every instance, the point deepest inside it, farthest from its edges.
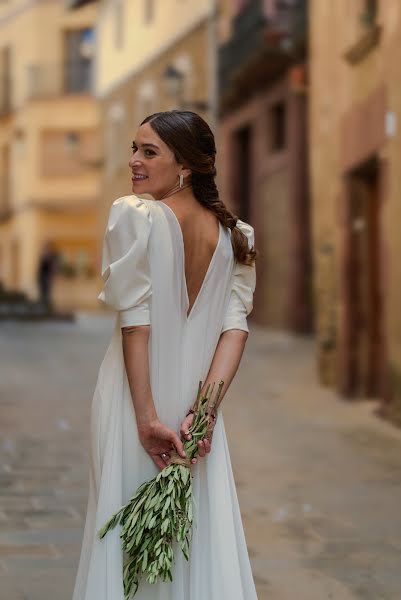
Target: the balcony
(46, 80)
(261, 46)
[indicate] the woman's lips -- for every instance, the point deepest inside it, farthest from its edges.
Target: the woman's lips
(138, 177)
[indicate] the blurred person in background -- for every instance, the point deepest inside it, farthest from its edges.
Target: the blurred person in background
(47, 269)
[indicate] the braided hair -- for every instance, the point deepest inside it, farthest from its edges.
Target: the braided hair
(192, 141)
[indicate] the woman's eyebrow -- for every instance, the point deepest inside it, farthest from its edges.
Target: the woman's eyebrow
(147, 144)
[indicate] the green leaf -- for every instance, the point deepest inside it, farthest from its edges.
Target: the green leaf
(184, 474)
(167, 470)
(166, 505)
(145, 560)
(138, 537)
(152, 522)
(165, 525)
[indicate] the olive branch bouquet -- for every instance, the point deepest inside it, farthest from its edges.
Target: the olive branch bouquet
(162, 509)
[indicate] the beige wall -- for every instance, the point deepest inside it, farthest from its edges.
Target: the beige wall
(66, 114)
(126, 48)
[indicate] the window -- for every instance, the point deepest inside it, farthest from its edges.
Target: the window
(149, 10)
(369, 13)
(145, 101)
(119, 24)
(5, 80)
(79, 47)
(184, 65)
(278, 126)
(5, 178)
(60, 153)
(117, 149)
(367, 34)
(71, 142)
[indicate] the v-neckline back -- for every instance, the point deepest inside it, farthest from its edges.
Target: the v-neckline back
(209, 268)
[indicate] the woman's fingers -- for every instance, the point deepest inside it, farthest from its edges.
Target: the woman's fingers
(185, 426)
(165, 458)
(178, 444)
(184, 432)
(204, 447)
(201, 449)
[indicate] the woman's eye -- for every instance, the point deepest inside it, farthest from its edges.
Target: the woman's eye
(146, 152)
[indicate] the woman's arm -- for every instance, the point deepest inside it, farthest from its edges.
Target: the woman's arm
(226, 359)
(135, 350)
(155, 437)
(225, 363)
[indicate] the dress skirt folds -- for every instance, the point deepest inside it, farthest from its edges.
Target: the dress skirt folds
(144, 280)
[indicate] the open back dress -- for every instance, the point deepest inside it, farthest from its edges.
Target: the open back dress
(144, 280)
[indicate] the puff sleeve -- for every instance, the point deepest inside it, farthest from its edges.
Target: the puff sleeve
(125, 265)
(243, 283)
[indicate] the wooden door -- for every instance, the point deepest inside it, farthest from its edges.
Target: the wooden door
(365, 336)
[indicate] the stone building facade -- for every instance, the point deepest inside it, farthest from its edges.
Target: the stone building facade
(355, 141)
(263, 139)
(49, 148)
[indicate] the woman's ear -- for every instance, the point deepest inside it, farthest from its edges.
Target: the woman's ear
(185, 172)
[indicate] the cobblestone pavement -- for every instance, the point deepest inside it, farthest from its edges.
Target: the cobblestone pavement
(319, 479)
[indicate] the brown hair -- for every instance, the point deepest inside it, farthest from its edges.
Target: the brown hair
(192, 141)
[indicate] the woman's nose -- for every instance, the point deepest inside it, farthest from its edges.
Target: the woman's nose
(134, 161)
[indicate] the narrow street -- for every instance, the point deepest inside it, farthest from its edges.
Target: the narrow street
(319, 479)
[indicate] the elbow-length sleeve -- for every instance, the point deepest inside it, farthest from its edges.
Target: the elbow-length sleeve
(243, 283)
(125, 264)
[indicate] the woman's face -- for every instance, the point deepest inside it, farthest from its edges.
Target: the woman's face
(155, 170)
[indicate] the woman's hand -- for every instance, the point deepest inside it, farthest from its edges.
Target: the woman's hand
(159, 440)
(205, 445)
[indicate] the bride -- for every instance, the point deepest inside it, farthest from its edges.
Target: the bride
(179, 270)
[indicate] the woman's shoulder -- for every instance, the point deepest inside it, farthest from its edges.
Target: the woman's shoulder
(129, 209)
(247, 230)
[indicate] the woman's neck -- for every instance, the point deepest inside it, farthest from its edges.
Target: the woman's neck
(180, 195)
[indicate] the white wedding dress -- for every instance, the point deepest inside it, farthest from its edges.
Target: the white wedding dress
(144, 274)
